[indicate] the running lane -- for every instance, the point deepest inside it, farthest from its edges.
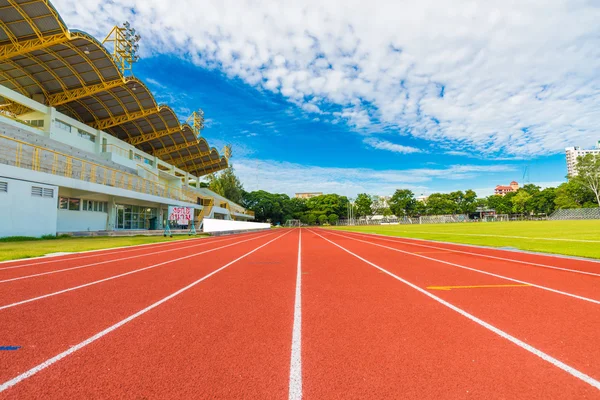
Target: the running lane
(45, 264)
(367, 335)
(26, 286)
(576, 264)
(45, 327)
(545, 273)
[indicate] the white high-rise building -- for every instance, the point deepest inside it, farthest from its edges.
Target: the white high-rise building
(574, 152)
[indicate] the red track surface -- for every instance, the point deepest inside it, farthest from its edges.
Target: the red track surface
(213, 318)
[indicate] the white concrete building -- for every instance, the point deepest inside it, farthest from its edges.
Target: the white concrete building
(84, 147)
(573, 152)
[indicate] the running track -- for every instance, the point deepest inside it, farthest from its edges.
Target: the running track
(304, 313)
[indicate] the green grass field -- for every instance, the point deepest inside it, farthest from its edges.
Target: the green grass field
(560, 237)
(35, 248)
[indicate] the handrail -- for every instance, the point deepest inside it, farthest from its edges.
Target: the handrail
(109, 176)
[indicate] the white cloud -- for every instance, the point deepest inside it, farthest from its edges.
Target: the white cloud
(389, 146)
(285, 177)
(155, 83)
(499, 78)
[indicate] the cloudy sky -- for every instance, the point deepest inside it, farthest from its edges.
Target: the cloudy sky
(348, 96)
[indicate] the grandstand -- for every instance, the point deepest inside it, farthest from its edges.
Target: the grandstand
(84, 146)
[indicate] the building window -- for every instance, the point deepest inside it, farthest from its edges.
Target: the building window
(63, 203)
(98, 206)
(4, 187)
(74, 204)
(62, 125)
(69, 203)
(38, 123)
(85, 135)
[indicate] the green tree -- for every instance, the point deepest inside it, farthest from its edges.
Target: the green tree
(588, 173)
(543, 201)
(501, 204)
(311, 219)
(468, 202)
(420, 208)
(402, 202)
(573, 194)
(520, 201)
(328, 204)
(227, 184)
(377, 205)
(531, 188)
(441, 204)
(333, 219)
(323, 219)
(363, 205)
(267, 207)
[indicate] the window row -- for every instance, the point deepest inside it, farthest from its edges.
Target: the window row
(73, 204)
(93, 205)
(81, 133)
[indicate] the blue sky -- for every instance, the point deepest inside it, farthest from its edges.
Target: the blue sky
(320, 97)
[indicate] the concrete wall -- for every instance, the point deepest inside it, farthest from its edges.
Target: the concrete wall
(223, 225)
(22, 214)
(78, 221)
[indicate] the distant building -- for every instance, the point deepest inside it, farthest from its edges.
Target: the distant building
(422, 198)
(574, 152)
(502, 190)
(307, 195)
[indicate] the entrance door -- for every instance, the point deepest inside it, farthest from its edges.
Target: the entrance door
(120, 222)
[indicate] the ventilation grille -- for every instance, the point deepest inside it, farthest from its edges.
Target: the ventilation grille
(37, 191)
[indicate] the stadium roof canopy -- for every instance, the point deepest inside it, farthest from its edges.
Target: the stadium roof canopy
(70, 70)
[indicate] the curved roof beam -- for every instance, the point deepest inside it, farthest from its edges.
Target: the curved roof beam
(55, 32)
(185, 145)
(194, 157)
(121, 119)
(221, 164)
(57, 99)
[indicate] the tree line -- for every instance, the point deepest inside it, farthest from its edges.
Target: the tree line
(581, 191)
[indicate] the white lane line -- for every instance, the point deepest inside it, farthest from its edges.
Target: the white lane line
(18, 303)
(546, 357)
(110, 261)
(12, 382)
(505, 236)
(399, 240)
(85, 254)
(295, 392)
(475, 270)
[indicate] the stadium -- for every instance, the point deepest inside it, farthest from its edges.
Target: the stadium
(174, 291)
(84, 146)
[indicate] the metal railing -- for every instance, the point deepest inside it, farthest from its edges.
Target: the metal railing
(26, 155)
(575, 213)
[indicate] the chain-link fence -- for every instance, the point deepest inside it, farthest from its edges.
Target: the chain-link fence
(575, 213)
(425, 219)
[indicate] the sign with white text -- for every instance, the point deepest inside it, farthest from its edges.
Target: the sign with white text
(182, 215)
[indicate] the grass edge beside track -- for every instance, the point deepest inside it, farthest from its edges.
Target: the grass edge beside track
(527, 235)
(38, 248)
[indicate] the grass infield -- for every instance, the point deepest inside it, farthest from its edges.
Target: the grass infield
(573, 238)
(27, 248)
